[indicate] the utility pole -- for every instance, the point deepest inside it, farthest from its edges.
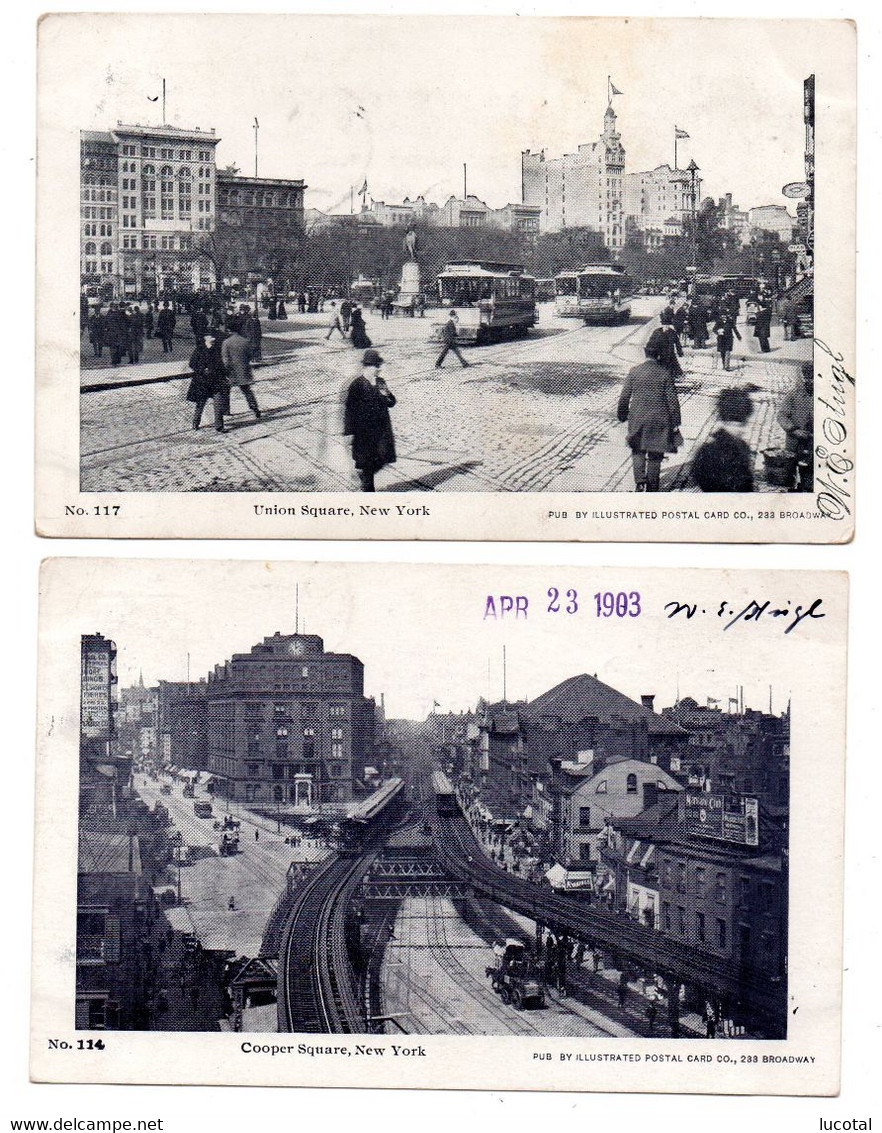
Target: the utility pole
(256, 129)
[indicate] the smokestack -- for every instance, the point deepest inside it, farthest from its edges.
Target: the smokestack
(648, 701)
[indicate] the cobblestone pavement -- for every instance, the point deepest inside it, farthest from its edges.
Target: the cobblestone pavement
(535, 414)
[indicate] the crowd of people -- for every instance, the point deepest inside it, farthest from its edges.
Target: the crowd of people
(124, 327)
(650, 404)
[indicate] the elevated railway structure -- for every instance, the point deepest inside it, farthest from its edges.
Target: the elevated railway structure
(318, 990)
(461, 857)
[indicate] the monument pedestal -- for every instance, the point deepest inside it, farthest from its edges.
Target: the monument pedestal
(410, 285)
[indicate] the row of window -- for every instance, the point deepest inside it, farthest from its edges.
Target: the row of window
(91, 267)
(166, 153)
(97, 229)
(107, 195)
(699, 926)
(264, 200)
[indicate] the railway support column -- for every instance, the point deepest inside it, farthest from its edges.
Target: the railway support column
(674, 1007)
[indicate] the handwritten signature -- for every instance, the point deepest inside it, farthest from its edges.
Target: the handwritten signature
(754, 611)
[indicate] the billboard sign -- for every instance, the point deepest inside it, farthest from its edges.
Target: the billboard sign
(729, 818)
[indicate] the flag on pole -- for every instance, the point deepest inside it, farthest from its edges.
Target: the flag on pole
(364, 188)
(680, 133)
(613, 89)
(256, 123)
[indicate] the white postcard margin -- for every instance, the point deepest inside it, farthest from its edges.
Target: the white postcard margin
(87, 595)
(824, 516)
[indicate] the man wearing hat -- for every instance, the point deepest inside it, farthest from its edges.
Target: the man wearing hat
(367, 421)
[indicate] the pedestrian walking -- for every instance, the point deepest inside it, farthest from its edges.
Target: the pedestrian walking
(281, 311)
(345, 314)
(670, 347)
(724, 463)
(649, 404)
(726, 332)
(358, 334)
(165, 326)
(256, 834)
(762, 326)
(651, 1014)
(136, 333)
(448, 336)
(236, 358)
(253, 331)
(209, 382)
(273, 312)
(116, 333)
(96, 332)
(334, 323)
(301, 302)
(149, 320)
(622, 990)
(787, 316)
(698, 324)
(367, 421)
(796, 416)
(199, 324)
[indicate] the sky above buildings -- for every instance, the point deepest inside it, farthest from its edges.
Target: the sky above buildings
(422, 633)
(403, 102)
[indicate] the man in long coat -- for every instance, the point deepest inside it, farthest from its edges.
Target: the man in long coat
(650, 405)
(116, 333)
(209, 382)
(165, 325)
(236, 357)
(367, 421)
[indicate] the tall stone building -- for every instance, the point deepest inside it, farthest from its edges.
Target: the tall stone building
(147, 193)
(288, 723)
(581, 189)
(658, 201)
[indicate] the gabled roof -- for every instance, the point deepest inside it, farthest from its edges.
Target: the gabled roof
(585, 697)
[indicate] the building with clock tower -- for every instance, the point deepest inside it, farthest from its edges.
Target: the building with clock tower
(289, 724)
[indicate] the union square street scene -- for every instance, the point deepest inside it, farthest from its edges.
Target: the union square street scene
(282, 286)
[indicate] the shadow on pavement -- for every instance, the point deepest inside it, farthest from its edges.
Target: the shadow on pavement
(433, 479)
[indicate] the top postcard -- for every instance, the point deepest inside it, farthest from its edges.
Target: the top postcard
(261, 282)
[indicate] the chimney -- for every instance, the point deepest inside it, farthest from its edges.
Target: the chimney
(648, 701)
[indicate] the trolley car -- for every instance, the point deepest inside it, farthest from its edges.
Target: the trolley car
(566, 295)
(604, 292)
(491, 300)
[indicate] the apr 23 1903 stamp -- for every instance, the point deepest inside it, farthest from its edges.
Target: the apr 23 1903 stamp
(258, 300)
(582, 830)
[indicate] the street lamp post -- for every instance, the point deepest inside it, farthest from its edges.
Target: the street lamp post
(693, 169)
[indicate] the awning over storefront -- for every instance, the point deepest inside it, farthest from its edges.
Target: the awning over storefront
(569, 880)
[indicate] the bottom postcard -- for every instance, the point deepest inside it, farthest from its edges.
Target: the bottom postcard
(467, 827)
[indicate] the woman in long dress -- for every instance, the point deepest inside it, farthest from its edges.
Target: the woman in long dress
(358, 335)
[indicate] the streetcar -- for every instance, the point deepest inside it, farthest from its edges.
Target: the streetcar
(365, 817)
(566, 295)
(604, 292)
(546, 289)
(445, 796)
(491, 300)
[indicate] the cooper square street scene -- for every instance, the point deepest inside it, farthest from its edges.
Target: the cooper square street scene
(631, 292)
(265, 847)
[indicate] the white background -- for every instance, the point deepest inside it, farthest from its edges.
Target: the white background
(195, 1109)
